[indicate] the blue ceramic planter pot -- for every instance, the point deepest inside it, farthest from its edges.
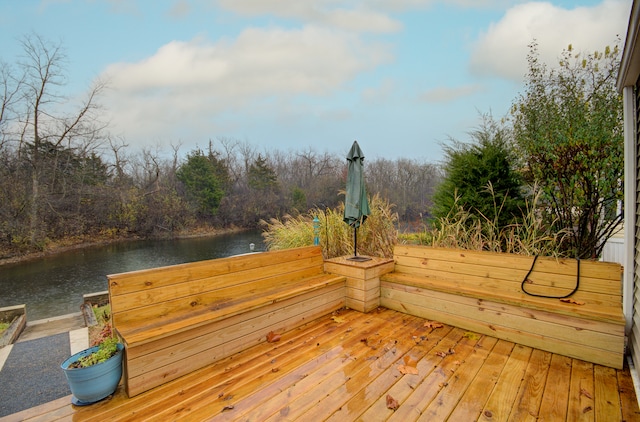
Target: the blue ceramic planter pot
(94, 383)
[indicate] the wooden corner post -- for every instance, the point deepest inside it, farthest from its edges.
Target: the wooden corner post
(363, 280)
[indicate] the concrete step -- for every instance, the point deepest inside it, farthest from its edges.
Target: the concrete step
(51, 326)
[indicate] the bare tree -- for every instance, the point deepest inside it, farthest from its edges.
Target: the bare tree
(407, 183)
(48, 120)
(11, 87)
(121, 161)
(229, 154)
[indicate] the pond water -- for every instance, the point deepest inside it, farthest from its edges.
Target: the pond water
(54, 285)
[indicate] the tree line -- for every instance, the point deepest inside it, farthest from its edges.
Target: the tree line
(62, 175)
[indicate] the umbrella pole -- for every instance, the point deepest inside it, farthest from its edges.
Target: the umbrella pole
(355, 240)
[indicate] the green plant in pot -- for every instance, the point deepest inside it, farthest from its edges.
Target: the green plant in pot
(94, 373)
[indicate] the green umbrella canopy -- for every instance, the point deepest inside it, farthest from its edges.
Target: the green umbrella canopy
(356, 205)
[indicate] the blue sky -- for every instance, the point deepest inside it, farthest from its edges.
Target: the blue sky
(399, 76)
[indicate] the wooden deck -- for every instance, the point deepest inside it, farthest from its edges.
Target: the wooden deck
(349, 366)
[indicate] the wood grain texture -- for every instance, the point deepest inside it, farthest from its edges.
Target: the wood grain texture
(343, 365)
(175, 320)
(482, 291)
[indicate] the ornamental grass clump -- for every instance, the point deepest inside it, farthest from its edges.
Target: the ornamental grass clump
(465, 229)
(376, 236)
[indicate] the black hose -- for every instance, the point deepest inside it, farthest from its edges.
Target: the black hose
(526, 277)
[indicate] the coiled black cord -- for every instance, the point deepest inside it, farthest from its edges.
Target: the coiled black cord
(526, 277)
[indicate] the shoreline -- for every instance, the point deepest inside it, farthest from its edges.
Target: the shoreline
(66, 245)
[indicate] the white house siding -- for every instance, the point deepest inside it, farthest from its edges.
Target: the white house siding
(634, 334)
(629, 85)
(613, 250)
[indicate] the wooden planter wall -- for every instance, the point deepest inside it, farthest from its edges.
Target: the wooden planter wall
(482, 292)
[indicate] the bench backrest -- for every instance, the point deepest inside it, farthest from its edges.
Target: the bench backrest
(202, 286)
(600, 282)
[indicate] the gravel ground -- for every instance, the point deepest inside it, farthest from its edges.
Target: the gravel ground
(32, 375)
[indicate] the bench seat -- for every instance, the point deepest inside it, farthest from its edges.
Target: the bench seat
(482, 291)
(174, 320)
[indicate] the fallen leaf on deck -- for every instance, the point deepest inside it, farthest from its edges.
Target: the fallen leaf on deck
(347, 357)
(392, 403)
(419, 339)
(471, 336)
(408, 370)
(273, 337)
(442, 354)
(572, 301)
(408, 361)
(373, 344)
(433, 324)
(338, 319)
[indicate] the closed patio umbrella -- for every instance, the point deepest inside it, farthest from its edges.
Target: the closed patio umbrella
(356, 205)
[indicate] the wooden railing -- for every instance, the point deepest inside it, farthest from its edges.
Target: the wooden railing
(174, 320)
(507, 296)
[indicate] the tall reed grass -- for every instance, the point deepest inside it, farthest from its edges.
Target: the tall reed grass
(376, 236)
(466, 230)
(461, 229)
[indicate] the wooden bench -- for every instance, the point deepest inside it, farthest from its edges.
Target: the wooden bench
(176, 319)
(482, 292)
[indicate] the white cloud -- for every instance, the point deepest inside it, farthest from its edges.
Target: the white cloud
(501, 51)
(124, 7)
(352, 15)
(346, 15)
(408, 5)
(362, 21)
(192, 83)
(448, 94)
(179, 10)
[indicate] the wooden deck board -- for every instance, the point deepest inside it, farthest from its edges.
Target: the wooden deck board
(607, 405)
(556, 394)
(532, 387)
(581, 392)
(628, 406)
(472, 402)
(342, 367)
(445, 402)
(502, 398)
(439, 377)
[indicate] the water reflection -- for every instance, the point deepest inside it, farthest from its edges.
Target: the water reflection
(54, 285)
